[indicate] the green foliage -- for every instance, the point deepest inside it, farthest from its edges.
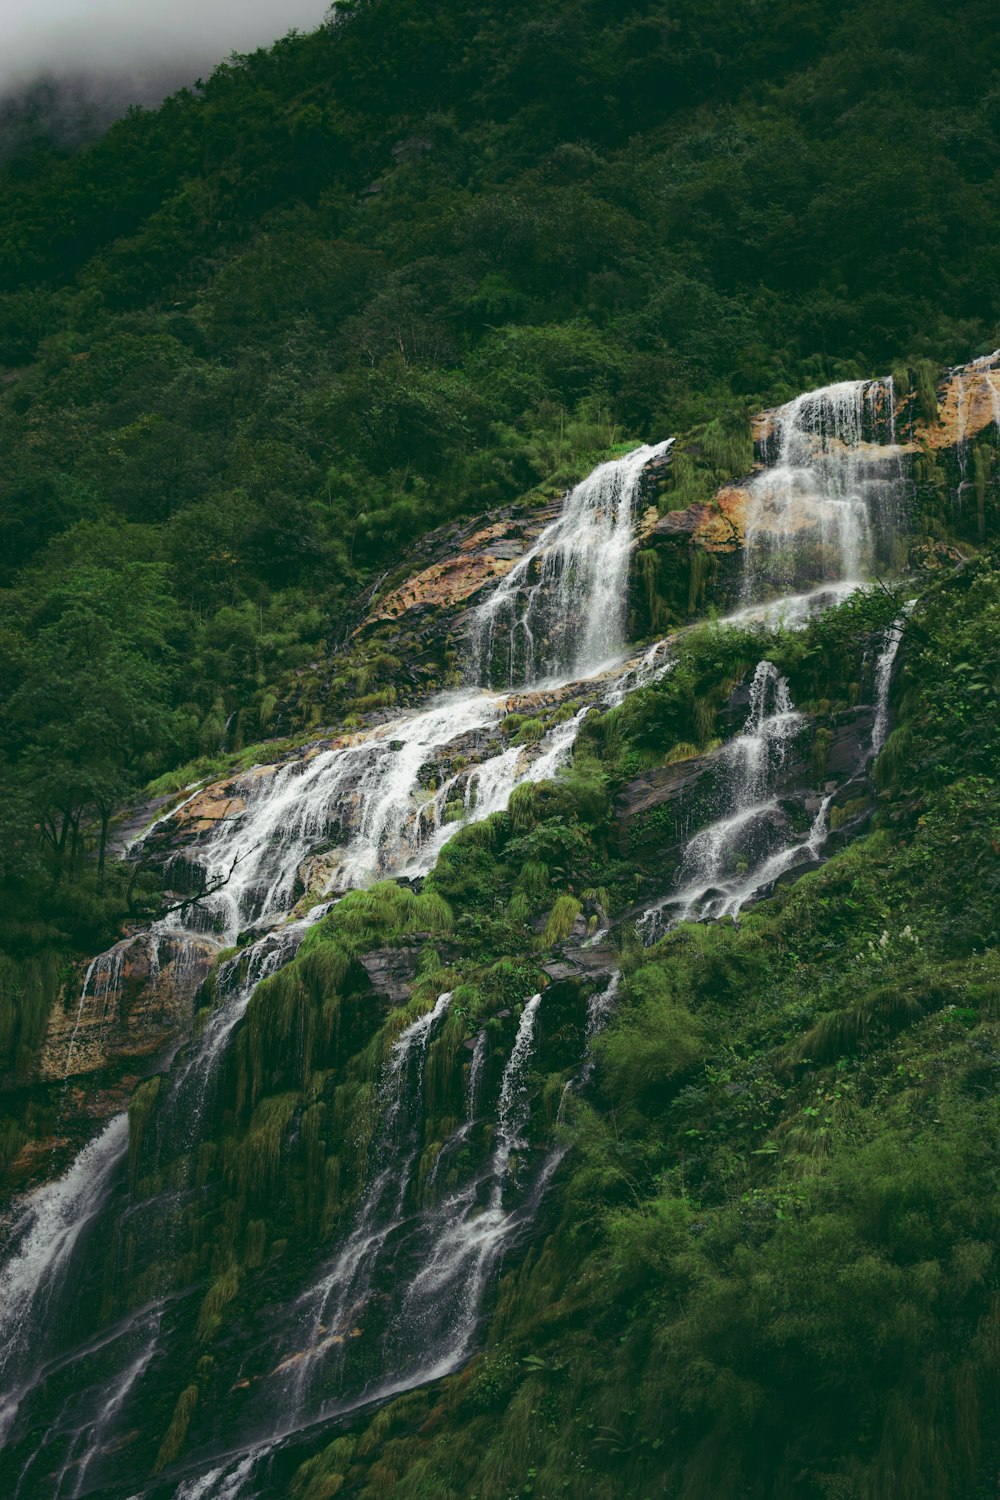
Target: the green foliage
(173, 1440)
(559, 923)
(772, 1219)
(140, 1108)
(28, 989)
(411, 267)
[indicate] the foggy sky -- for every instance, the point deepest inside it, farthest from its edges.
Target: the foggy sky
(132, 38)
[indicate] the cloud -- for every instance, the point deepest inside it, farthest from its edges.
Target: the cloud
(139, 39)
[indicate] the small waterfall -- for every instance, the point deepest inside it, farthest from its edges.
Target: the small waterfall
(344, 1291)
(39, 1252)
(826, 505)
(346, 816)
(417, 1276)
(467, 1235)
(102, 986)
(749, 845)
(88, 1440)
(512, 1110)
(561, 610)
(601, 1006)
(883, 677)
(476, 1065)
(191, 1082)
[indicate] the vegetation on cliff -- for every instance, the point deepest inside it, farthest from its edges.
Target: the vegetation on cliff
(423, 263)
(773, 1269)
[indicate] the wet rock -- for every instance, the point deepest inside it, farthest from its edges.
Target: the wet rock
(391, 971)
(968, 402)
(579, 962)
(716, 525)
(137, 1005)
(657, 812)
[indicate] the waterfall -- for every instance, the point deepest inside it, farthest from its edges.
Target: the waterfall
(826, 505)
(883, 677)
(467, 1232)
(561, 609)
(41, 1241)
(601, 1006)
(401, 1291)
(323, 821)
(745, 849)
(343, 1292)
(475, 1075)
(401, 1301)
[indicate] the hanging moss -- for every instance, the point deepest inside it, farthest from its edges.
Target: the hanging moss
(982, 470)
(441, 1072)
(648, 568)
(699, 566)
(322, 1477)
(822, 740)
(521, 807)
(173, 1442)
(383, 912)
(291, 1022)
(254, 1243)
(28, 990)
(258, 1154)
(222, 1290)
(332, 1197)
(926, 375)
(519, 908)
(893, 759)
(140, 1107)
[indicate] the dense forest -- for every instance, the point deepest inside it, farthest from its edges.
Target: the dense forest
(419, 269)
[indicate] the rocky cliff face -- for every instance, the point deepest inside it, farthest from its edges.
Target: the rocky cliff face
(122, 1020)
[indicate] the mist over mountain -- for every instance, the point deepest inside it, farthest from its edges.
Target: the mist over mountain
(70, 68)
(64, 111)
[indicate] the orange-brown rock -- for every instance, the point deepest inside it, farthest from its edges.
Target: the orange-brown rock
(136, 1001)
(443, 584)
(716, 525)
(968, 402)
(454, 576)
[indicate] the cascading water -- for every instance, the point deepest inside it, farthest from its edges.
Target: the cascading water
(561, 609)
(400, 1303)
(41, 1241)
(883, 677)
(436, 1259)
(724, 863)
(826, 505)
(415, 1262)
(327, 821)
(822, 513)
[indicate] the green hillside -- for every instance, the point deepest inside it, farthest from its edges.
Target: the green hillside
(430, 264)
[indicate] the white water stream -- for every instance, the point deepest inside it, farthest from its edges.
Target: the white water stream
(827, 502)
(824, 508)
(385, 804)
(40, 1243)
(560, 611)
